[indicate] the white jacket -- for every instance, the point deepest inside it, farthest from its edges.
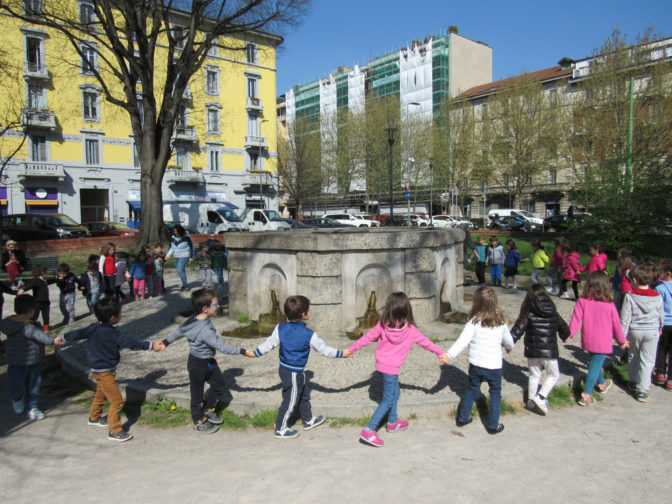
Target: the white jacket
(485, 345)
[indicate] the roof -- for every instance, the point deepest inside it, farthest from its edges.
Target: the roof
(544, 75)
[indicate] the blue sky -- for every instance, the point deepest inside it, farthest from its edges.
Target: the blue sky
(524, 34)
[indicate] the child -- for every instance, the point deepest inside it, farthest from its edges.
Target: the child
(598, 259)
(539, 260)
(642, 320)
(129, 277)
(67, 282)
(40, 286)
(663, 371)
(396, 333)
(295, 341)
(138, 272)
(219, 262)
(480, 253)
(204, 266)
(202, 365)
(596, 316)
(157, 277)
(513, 259)
(91, 284)
(149, 271)
(102, 351)
(554, 273)
(120, 263)
(621, 281)
(540, 322)
(484, 334)
(572, 273)
(495, 256)
(109, 269)
(25, 355)
(13, 262)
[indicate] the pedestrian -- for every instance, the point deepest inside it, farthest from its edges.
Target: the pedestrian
(511, 263)
(13, 262)
(149, 271)
(219, 262)
(480, 253)
(104, 341)
(495, 257)
(663, 370)
(554, 273)
(596, 316)
(572, 273)
(138, 272)
(122, 267)
(109, 269)
(395, 334)
(158, 258)
(183, 248)
(40, 287)
(539, 261)
(598, 259)
(91, 284)
(67, 283)
(484, 335)
(541, 324)
(204, 260)
(295, 341)
(201, 364)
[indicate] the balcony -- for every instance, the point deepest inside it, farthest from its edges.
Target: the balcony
(35, 71)
(186, 134)
(42, 169)
(259, 142)
(176, 175)
(38, 119)
(254, 104)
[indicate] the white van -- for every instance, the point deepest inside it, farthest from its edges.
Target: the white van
(349, 220)
(204, 217)
(263, 220)
(536, 222)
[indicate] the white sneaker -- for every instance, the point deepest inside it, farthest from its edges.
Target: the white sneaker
(36, 414)
(542, 404)
(18, 406)
(565, 295)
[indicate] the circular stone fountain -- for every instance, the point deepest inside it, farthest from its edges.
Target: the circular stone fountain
(339, 270)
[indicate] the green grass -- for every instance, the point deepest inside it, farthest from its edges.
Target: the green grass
(482, 405)
(264, 419)
(243, 318)
(345, 421)
(617, 371)
(233, 421)
(160, 413)
(560, 397)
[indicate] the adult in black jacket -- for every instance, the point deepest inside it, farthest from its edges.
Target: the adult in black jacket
(541, 324)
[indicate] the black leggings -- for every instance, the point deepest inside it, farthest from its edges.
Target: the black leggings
(43, 308)
(575, 288)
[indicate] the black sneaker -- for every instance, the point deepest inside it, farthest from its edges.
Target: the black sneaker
(205, 427)
(496, 430)
(462, 424)
(213, 417)
(120, 436)
(101, 422)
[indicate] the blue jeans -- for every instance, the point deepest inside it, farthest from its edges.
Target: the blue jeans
(388, 405)
(476, 376)
(220, 275)
(67, 305)
(496, 274)
(92, 299)
(24, 382)
(594, 372)
(180, 264)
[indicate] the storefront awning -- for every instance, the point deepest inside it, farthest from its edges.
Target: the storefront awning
(135, 205)
(42, 202)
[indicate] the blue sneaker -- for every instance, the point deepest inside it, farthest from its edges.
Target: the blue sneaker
(286, 434)
(642, 396)
(313, 422)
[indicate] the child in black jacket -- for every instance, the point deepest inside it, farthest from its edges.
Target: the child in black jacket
(67, 282)
(540, 322)
(40, 286)
(91, 284)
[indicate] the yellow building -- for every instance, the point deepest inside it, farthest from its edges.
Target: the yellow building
(79, 156)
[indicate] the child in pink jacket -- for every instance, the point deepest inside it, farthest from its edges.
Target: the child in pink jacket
(571, 273)
(596, 316)
(598, 259)
(396, 334)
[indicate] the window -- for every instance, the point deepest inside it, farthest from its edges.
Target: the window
(254, 161)
(212, 81)
(213, 160)
(214, 48)
(36, 99)
(88, 60)
(34, 54)
(251, 87)
(213, 120)
(253, 125)
(181, 116)
(91, 151)
(180, 36)
(32, 8)
(181, 158)
(87, 16)
(90, 108)
(136, 157)
(38, 148)
(251, 53)
(552, 176)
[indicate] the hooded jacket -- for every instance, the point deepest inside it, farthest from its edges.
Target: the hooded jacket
(642, 310)
(665, 290)
(539, 259)
(394, 345)
(540, 328)
(485, 344)
(202, 338)
(598, 262)
(572, 267)
(25, 341)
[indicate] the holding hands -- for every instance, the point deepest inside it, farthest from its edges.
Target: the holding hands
(158, 346)
(444, 359)
(58, 341)
(249, 353)
(347, 354)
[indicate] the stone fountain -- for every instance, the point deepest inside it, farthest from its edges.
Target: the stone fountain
(339, 270)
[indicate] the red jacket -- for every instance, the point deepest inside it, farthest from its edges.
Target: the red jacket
(109, 267)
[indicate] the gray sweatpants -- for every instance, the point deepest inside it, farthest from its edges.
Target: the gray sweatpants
(642, 357)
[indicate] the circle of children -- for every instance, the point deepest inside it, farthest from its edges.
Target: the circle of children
(637, 313)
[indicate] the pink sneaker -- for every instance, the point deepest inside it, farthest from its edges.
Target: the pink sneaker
(371, 438)
(397, 426)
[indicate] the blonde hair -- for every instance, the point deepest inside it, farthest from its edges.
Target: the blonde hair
(485, 308)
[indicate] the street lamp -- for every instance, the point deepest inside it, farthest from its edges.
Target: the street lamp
(431, 189)
(390, 140)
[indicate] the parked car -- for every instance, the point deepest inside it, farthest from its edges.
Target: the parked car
(368, 219)
(443, 221)
(463, 222)
(398, 220)
(298, 224)
(562, 222)
(349, 219)
(46, 226)
(508, 223)
(323, 222)
(535, 223)
(109, 229)
(417, 220)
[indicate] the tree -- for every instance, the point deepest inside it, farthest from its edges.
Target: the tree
(351, 152)
(623, 181)
(299, 163)
(127, 37)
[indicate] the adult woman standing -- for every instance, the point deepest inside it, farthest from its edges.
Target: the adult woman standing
(182, 248)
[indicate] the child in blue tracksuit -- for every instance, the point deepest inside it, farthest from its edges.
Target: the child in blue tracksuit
(295, 341)
(511, 263)
(495, 256)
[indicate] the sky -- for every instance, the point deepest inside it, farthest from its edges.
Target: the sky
(525, 35)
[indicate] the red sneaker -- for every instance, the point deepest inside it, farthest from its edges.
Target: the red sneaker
(659, 379)
(46, 328)
(668, 385)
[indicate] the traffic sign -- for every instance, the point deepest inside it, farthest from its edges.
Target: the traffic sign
(408, 195)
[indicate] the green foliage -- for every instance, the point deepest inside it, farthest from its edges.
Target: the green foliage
(243, 318)
(482, 405)
(560, 397)
(343, 421)
(264, 418)
(160, 412)
(617, 371)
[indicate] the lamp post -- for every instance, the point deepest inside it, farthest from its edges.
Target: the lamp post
(431, 189)
(390, 140)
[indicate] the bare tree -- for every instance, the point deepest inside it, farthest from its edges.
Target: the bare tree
(128, 39)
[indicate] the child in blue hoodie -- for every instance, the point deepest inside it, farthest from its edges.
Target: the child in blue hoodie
(511, 263)
(663, 371)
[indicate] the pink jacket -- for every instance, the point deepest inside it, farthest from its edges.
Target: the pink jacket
(599, 323)
(572, 267)
(598, 262)
(558, 261)
(394, 345)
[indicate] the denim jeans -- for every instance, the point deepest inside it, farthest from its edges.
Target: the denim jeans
(220, 275)
(496, 274)
(391, 393)
(67, 305)
(181, 264)
(594, 372)
(24, 382)
(92, 299)
(476, 376)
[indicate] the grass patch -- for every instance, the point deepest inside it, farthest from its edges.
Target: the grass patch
(160, 412)
(233, 421)
(345, 421)
(560, 397)
(243, 318)
(482, 405)
(617, 371)
(264, 419)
